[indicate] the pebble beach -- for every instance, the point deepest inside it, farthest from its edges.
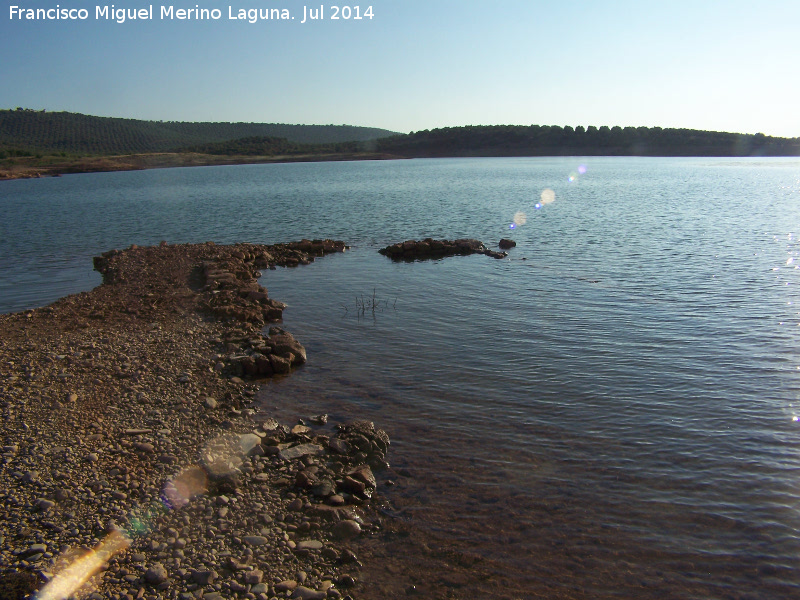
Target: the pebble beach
(131, 437)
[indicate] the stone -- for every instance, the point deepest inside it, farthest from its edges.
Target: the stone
(353, 486)
(286, 586)
(280, 365)
(36, 549)
(323, 488)
(210, 403)
(253, 577)
(338, 446)
(304, 593)
(505, 244)
(301, 430)
(285, 345)
(156, 574)
(251, 445)
(270, 425)
(206, 577)
(309, 545)
(346, 530)
(255, 540)
(44, 504)
(299, 451)
(365, 475)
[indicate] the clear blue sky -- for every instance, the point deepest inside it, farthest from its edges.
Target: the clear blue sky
(419, 64)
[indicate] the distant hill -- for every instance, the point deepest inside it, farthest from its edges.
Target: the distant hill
(74, 133)
(536, 140)
(25, 132)
(273, 146)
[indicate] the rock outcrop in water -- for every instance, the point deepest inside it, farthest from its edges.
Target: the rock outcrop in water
(506, 244)
(430, 248)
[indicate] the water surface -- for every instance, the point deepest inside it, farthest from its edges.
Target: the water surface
(609, 412)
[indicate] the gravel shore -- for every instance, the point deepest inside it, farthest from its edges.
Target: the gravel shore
(130, 432)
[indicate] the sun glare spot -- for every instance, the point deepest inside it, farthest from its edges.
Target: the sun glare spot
(66, 582)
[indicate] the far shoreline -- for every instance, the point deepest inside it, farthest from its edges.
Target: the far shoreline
(53, 166)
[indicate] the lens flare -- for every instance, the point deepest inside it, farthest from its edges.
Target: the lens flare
(548, 196)
(221, 456)
(520, 218)
(65, 583)
(572, 177)
(184, 487)
(582, 169)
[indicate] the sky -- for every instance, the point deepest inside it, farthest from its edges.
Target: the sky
(419, 64)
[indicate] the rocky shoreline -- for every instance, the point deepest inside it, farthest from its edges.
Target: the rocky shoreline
(129, 419)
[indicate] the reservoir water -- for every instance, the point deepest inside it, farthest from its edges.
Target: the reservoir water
(610, 412)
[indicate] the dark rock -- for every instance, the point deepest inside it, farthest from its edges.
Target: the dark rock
(365, 475)
(430, 248)
(280, 365)
(204, 577)
(353, 486)
(156, 574)
(255, 540)
(304, 593)
(286, 586)
(253, 577)
(339, 446)
(505, 244)
(323, 488)
(346, 530)
(300, 451)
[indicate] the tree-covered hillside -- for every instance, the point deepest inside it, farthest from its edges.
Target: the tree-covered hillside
(74, 133)
(273, 146)
(536, 140)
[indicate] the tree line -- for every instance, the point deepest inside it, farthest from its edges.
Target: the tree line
(37, 132)
(536, 140)
(24, 132)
